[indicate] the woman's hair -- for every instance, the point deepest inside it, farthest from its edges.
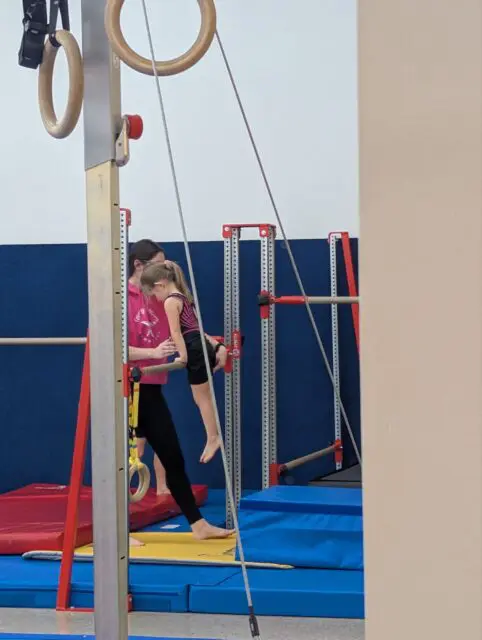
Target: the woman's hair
(169, 271)
(144, 251)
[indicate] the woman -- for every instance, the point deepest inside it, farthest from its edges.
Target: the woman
(150, 344)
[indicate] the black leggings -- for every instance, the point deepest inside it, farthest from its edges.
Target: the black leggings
(157, 426)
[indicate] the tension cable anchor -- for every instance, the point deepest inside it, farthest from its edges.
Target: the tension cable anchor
(36, 52)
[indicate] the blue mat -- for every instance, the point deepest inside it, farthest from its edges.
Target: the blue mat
(51, 636)
(309, 540)
(328, 500)
(164, 588)
(296, 593)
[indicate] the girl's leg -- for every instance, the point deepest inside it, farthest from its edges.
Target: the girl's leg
(161, 435)
(161, 484)
(202, 397)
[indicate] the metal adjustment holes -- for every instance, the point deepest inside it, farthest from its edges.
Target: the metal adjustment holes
(167, 67)
(63, 127)
(144, 481)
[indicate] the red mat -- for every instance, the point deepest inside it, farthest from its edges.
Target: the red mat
(33, 517)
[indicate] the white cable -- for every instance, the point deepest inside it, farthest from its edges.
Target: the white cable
(290, 253)
(229, 488)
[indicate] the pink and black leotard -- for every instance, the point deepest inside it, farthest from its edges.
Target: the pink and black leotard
(196, 367)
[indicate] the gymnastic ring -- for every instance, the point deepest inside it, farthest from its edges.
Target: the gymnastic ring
(144, 481)
(168, 67)
(63, 127)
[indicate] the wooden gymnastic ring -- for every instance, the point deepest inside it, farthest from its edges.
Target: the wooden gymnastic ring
(63, 127)
(168, 67)
(144, 481)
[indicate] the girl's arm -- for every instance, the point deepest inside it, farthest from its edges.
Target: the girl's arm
(173, 308)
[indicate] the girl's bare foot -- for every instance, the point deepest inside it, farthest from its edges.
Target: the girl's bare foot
(163, 491)
(133, 542)
(211, 448)
(202, 530)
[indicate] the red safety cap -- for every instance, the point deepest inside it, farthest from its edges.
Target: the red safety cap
(136, 127)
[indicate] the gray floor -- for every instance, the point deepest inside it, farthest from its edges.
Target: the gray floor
(174, 625)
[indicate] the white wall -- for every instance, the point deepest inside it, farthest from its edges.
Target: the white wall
(296, 68)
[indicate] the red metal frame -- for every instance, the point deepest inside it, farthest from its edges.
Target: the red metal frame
(264, 228)
(76, 477)
(350, 276)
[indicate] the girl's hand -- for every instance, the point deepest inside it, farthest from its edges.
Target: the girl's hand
(164, 350)
(221, 358)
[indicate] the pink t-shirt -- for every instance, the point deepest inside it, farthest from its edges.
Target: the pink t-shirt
(148, 327)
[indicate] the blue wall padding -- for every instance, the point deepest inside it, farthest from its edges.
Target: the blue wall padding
(308, 540)
(329, 500)
(54, 636)
(45, 294)
(298, 592)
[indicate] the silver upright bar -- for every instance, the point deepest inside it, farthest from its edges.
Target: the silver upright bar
(269, 447)
(236, 374)
(334, 338)
(102, 124)
(228, 379)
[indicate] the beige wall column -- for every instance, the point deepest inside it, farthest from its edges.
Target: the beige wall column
(421, 316)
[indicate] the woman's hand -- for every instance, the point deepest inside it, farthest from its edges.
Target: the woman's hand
(221, 358)
(164, 350)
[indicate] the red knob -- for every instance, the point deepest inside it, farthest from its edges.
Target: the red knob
(136, 127)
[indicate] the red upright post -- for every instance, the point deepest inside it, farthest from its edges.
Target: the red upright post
(352, 289)
(76, 478)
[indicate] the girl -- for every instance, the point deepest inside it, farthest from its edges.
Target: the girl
(167, 283)
(149, 343)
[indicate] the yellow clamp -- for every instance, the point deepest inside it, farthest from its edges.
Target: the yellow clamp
(168, 67)
(63, 127)
(135, 464)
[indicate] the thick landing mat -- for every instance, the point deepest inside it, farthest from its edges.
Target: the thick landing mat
(33, 517)
(309, 540)
(158, 588)
(300, 593)
(169, 548)
(327, 500)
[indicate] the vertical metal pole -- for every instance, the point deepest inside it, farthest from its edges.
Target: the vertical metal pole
(236, 373)
(228, 379)
(102, 123)
(268, 358)
(334, 339)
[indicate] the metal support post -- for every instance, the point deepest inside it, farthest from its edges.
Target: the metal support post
(334, 338)
(102, 125)
(232, 428)
(269, 446)
(232, 337)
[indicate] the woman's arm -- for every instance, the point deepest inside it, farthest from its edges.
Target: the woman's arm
(173, 308)
(163, 350)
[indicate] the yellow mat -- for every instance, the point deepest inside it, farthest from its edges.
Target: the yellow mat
(182, 548)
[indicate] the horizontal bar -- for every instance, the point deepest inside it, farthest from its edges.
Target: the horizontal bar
(12, 342)
(250, 225)
(316, 300)
(159, 368)
(297, 462)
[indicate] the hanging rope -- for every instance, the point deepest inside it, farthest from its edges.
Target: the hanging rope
(252, 616)
(288, 248)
